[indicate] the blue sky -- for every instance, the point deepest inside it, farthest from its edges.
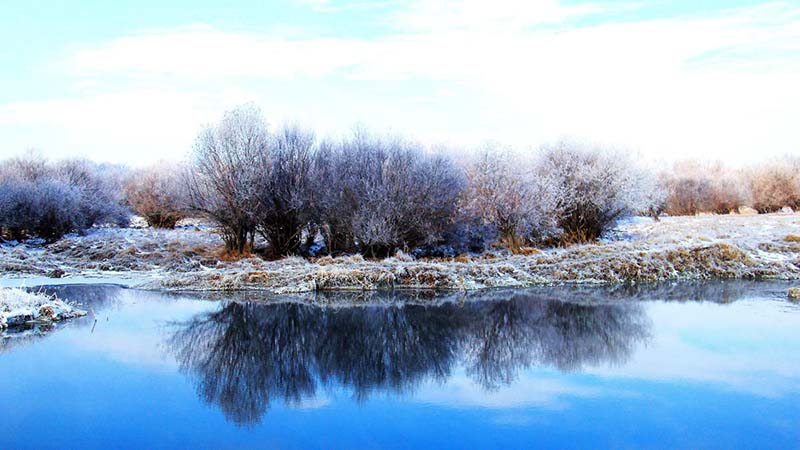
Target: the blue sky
(134, 81)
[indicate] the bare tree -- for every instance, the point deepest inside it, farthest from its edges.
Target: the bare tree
(776, 184)
(159, 194)
(226, 174)
(599, 187)
(521, 202)
(378, 195)
(284, 189)
(45, 200)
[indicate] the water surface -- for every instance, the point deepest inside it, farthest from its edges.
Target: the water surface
(712, 365)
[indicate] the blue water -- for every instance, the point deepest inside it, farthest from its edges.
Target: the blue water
(714, 365)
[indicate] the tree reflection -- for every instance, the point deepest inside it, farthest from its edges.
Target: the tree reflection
(511, 335)
(387, 347)
(244, 356)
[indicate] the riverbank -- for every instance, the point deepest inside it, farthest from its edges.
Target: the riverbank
(639, 250)
(19, 307)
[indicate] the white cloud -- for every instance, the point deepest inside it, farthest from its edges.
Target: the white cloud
(328, 6)
(200, 53)
(721, 85)
(541, 389)
(135, 125)
(471, 15)
(727, 346)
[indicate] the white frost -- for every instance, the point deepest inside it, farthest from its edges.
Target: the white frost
(764, 246)
(18, 307)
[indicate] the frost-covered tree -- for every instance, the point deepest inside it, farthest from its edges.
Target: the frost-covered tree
(249, 180)
(159, 194)
(45, 200)
(776, 184)
(598, 187)
(700, 187)
(335, 195)
(100, 187)
(512, 195)
(226, 174)
(376, 195)
(284, 189)
(47, 209)
(687, 195)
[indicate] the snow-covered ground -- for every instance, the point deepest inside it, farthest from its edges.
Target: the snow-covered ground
(18, 307)
(639, 250)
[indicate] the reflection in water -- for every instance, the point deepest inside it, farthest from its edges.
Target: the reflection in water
(91, 297)
(244, 356)
(24, 335)
(508, 336)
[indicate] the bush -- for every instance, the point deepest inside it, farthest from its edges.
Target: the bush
(695, 187)
(688, 195)
(378, 195)
(514, 197)
(158, 193)
(47, 201)
(100, 187)
(226, 174)
(596, 188)
(46, 209)
(284, 191)
(248, 180)
(775, 185)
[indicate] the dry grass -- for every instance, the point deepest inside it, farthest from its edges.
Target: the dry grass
(676, 248)
(226, 255)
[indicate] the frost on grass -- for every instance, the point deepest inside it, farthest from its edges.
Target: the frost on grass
(641, 250)
(19, 307)
(676, 248)
(114, 250)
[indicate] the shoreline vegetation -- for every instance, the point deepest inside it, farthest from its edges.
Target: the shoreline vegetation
(640, 250)
(19, 308)
(278, 210)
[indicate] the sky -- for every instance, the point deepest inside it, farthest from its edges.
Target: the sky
(134, 82)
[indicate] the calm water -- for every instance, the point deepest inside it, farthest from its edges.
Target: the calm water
(691, 366)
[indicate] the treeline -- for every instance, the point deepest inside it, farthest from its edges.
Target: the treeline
(375, 195)
(47, 200)
(695, 187)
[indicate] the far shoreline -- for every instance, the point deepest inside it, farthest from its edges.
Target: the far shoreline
(722, 247)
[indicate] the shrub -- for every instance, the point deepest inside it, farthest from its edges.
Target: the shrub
(46, 209)
(100, 187)
(158, 193)
(513, 197)
(284, 190)
(225, 176)
(775, 185)
(597, 187)
(696, 187)
(378, 195)
(47, 201)
(687, 195)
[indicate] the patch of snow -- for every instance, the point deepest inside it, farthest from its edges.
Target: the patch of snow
(18, 307)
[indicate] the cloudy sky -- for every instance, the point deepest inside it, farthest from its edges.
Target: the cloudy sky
(134, 81)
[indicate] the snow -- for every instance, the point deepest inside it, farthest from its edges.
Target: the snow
(639, 250)
(18, 307)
